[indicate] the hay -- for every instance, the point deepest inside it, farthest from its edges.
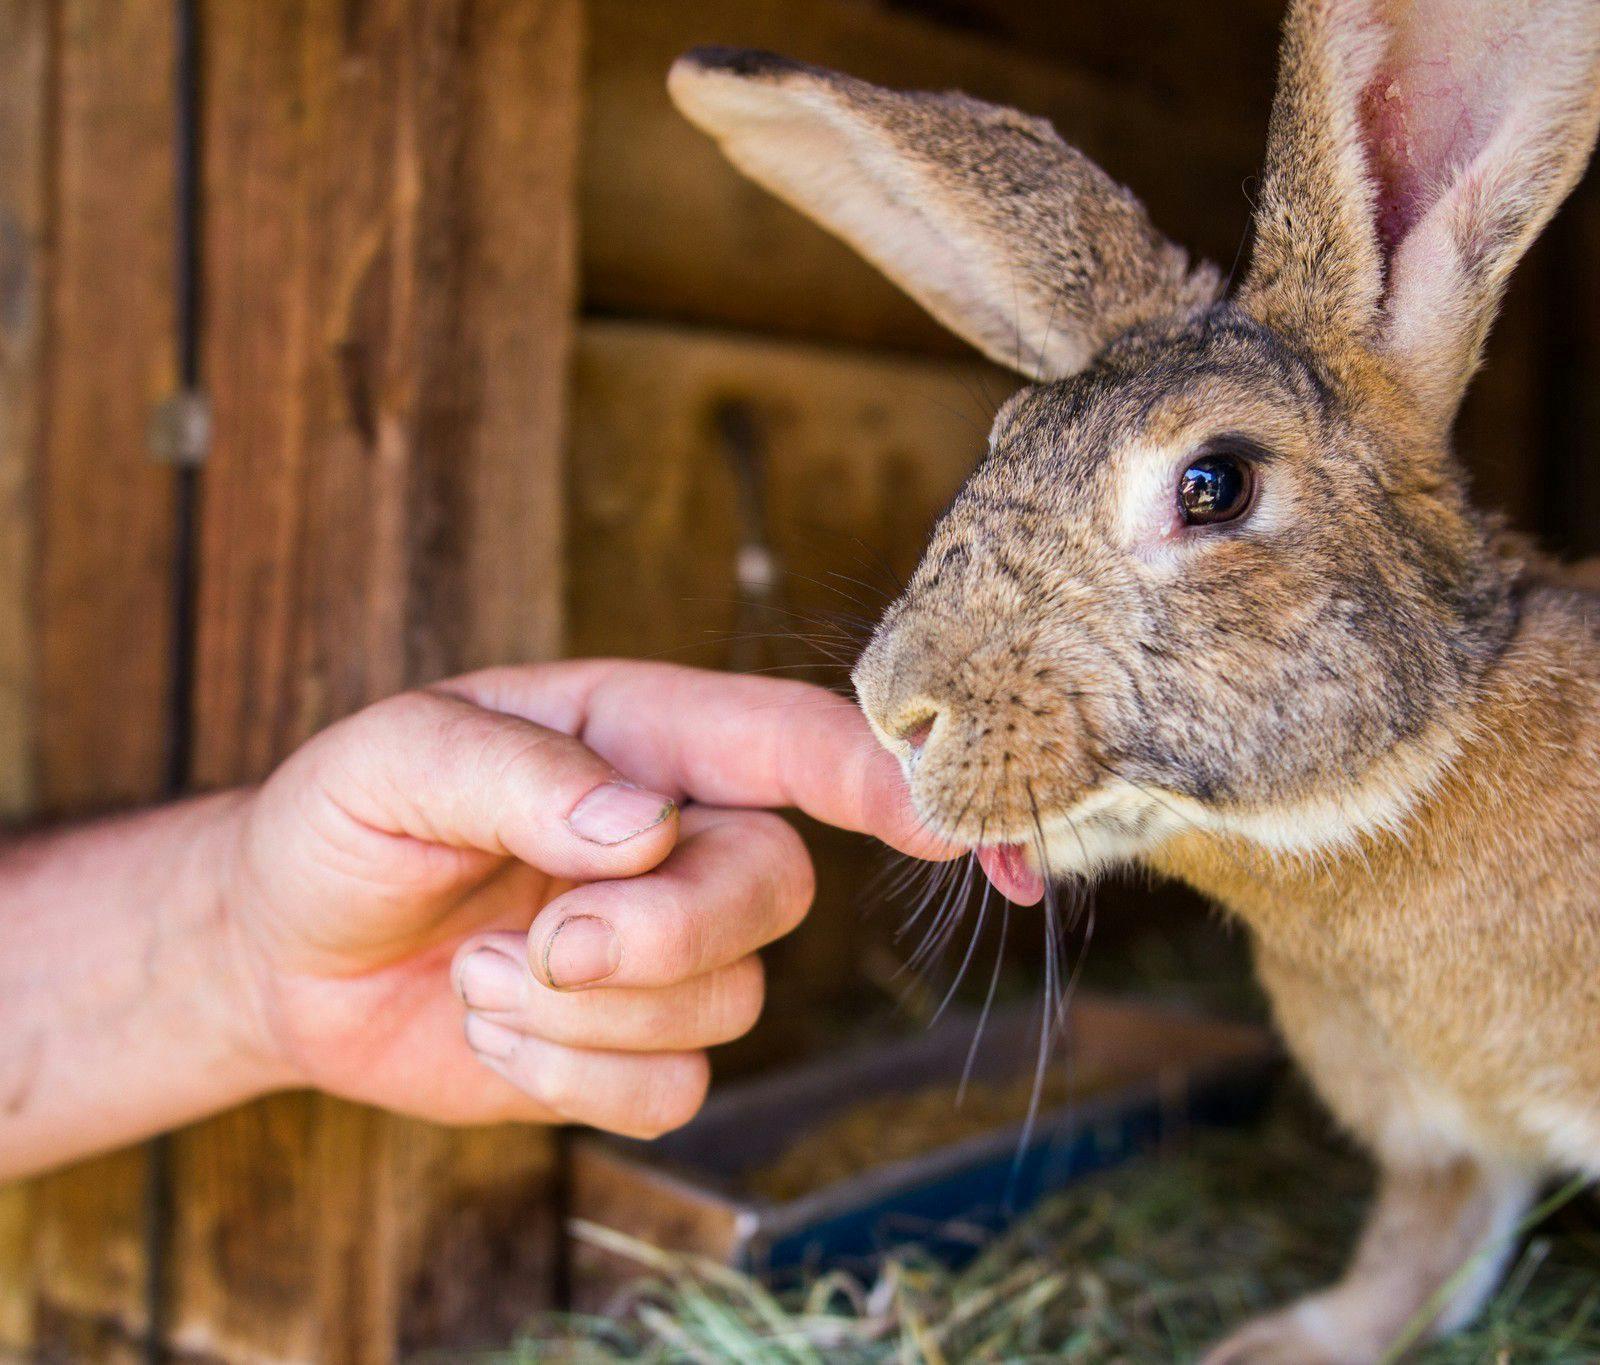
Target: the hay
(1146, 1263)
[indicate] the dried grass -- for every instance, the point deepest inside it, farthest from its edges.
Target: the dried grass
(1146, 1263)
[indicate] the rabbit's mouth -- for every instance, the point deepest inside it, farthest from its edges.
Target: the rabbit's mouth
(1115, 823)
(1012, 874)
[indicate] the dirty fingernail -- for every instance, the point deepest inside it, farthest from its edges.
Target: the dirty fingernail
(489, 1039)
(489, 980)
(614, 813)
(582, 951)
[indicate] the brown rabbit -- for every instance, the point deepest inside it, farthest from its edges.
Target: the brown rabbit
(1216, 601)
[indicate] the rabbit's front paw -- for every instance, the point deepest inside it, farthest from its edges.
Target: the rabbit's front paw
(1280, 1339)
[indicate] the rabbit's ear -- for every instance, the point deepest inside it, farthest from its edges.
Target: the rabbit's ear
(1416, 149)
(1004, 233)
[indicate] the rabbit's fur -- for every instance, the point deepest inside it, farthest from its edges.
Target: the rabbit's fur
(1358, 717)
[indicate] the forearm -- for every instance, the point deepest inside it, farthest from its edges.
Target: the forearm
(121, 1009)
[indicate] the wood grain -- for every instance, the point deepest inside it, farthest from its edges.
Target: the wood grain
(392, 253)
(859, 451)
(671, 231)
(390, 281)
(25, 102)
(85, 657)
(106, 506)
(26, 95)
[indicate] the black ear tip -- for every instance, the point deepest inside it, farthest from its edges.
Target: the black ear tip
(740, 61)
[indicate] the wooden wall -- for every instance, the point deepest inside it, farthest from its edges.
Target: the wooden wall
(388, 270)
(503, 361)
(88, 560)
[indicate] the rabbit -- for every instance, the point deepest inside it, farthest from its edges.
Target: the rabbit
(1216, 602)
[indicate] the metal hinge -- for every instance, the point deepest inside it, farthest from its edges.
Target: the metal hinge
(180, 429)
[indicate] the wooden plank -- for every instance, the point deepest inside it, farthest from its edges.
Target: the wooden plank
(17, 1308)
(389, 280)
(25, 101)
(84, 663)
(26, 94)
(857, 452)
(671, 231)
(106, 506)
(860, 451)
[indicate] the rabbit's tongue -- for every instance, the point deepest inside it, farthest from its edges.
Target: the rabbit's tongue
(1006, 865)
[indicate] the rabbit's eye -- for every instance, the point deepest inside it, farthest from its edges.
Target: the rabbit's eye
(1215, 488)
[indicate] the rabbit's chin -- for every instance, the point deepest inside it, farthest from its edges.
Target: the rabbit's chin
(1113, 825)
(1120, 822)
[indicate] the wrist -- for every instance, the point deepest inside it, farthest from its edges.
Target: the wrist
(135, 1008)
(234, 995)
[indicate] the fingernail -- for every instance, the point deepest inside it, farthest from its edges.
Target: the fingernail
(614, 813)
(581, 951)
(489, 1039)
(489, 980)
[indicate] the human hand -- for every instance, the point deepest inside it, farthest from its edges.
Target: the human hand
(389, 871)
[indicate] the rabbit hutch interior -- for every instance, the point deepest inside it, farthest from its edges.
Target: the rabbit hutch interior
(347, 346)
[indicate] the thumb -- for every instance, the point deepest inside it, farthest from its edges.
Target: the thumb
(436, 767)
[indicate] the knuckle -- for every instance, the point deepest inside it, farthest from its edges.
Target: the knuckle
(791, 878)
(772, 830)
(554, 1078)
(797, 890)
(363, 746)
(674, 1093)
(744, 995)
(404, 712)
(786, 880)
(549, 1017)
(511, 759)
(509, 750)
(490, 744)
(722, 1006)
(682, 948)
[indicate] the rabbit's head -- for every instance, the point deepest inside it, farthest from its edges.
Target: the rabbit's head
(1217, 568)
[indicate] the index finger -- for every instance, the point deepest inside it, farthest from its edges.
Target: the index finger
(724, 739)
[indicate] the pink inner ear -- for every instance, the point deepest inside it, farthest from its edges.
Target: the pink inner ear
(1439, 93)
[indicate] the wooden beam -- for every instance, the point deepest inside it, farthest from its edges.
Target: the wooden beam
(390, 278)
(671, 231)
